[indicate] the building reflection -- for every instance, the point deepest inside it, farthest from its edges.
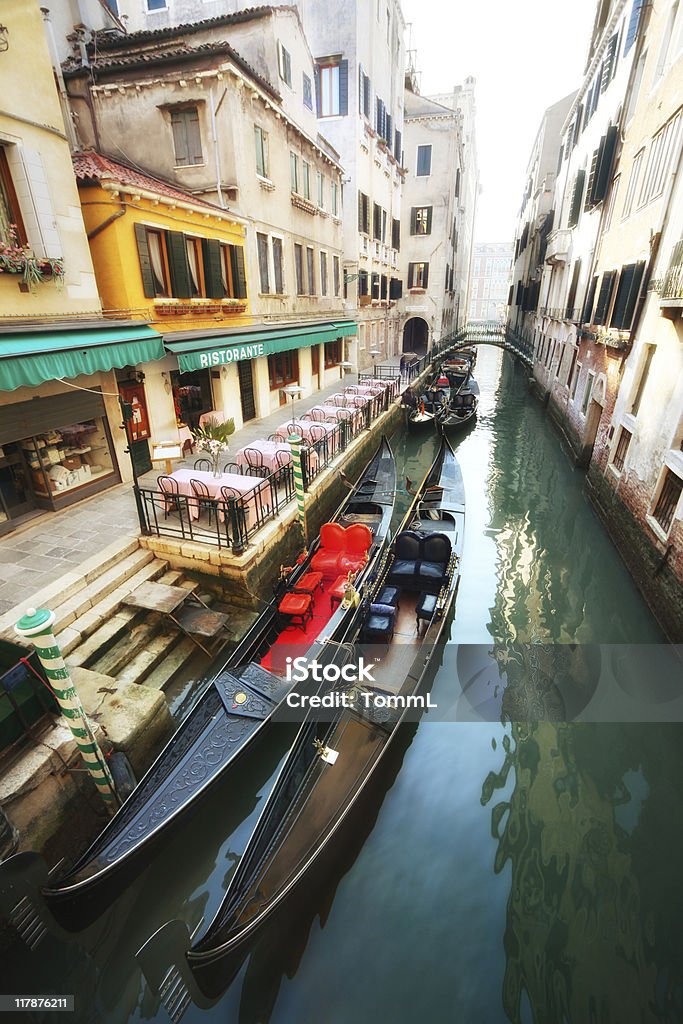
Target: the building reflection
(592, 930)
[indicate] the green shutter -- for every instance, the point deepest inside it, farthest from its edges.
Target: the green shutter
(239, 277)
(343, 87)
(213, 277)
(413, 220)
(181, 286)
(429, 220)
(145, 262)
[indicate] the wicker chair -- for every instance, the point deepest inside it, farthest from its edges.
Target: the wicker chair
(203, 465)
(171, 492)
(203, 498)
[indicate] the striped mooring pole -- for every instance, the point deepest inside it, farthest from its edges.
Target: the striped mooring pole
(36, 626)
(295, 445)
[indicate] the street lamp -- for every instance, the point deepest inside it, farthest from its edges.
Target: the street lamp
(293, 391)
(374, 352)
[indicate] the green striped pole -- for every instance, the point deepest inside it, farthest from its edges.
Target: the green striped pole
(295, 445)
(36, 626)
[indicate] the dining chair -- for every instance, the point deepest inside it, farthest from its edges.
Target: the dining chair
(204, 465)
(306, 416)
(317, 415)
(232, 467)
(282, 459)
(171, 492)
(254, 460)
(295, 428)
(317, 433)
(339, 400)
(228, 493)
(204, 499)
(274, 437)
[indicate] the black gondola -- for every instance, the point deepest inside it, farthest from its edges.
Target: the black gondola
(225, 721)
(462, 408)
(429, 405)
(331, 763)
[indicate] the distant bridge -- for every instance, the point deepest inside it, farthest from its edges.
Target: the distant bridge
(492, 332)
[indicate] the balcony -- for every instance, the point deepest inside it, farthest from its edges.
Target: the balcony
(557, 248)
(570, 314)
(671, 294)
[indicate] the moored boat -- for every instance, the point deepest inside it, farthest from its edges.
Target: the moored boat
(332, 763)
(462, 408)
(241, 699)
(429, 405)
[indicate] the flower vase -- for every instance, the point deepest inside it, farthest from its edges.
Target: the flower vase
(216, 465)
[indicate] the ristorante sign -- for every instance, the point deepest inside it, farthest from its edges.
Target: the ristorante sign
(218, 354)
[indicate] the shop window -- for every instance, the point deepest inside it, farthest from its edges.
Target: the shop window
(333, 355)
(283, 369)
(10, 214)
(187, 140)
(63, 460)
(667, 502)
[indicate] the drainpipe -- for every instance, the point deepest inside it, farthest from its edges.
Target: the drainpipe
(105, 223)
(61, 87)
(216, 154)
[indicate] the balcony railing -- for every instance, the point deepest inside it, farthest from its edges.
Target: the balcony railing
(557, 247)
(570, 313)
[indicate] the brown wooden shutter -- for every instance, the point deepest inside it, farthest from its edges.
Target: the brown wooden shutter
(145, 262)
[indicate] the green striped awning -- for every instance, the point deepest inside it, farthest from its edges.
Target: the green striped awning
(195, 353)
(32, 356)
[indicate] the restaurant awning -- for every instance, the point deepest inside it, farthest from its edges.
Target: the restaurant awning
(32, 355)
(217, 348)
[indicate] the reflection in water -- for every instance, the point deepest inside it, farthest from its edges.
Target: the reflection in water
(592, 930)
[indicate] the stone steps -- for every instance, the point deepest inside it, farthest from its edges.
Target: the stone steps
(166, 670)
(99, 588)
(152, 656)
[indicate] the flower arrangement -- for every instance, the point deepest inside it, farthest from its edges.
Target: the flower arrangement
(18, 258)
(212, 438)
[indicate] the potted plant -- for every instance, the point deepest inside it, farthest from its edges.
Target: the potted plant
(212, 438)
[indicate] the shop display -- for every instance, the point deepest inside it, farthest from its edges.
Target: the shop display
(64, 459)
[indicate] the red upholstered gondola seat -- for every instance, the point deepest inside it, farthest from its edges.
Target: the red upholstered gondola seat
(342, 549)
(297, 606)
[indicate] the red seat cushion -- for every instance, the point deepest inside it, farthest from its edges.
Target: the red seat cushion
(333, 537)
(351, 563)
(308, 582)
(358, 538)
(339, 586)
(294, 604)
(327, 563)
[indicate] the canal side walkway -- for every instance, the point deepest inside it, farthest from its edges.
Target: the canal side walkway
(56, 544)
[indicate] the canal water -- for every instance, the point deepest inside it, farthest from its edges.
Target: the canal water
(506, 872)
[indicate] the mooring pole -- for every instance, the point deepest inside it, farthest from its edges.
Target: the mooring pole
(36, 626)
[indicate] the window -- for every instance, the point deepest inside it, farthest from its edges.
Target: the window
(642, 381)
(196, 266)
(577, 198)
(233, 271)
(572, 366)
(621, 449)
(590, 301)
(315, 360)
(333, 87)
(627, 295)
(9, 204)
(421, 220)
(384, 225)
(632, 30)
(294, 171)
(278, 276)
(262, 246)
(336, 274)
(283, 369)
(261, 138)
(187, 140)
(323, 273)
(424, 161)
(609, 64)
(418, 275)
(320, 189)
(158, 261)
(310, 266)
(299, 268)
(632, 184)
(306, 177)
(575, 380)
(156, 5)
(604, 302)
(588, 391)
(308, 92)
(334, 198)
(376, 221)
(612, 200)
(667, 502)
(363, 213)
(285, 65)
(332, 353)
(662, 150)
(396, 234)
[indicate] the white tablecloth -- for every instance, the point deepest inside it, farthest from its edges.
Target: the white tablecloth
(242, 484)
(215, 414)
(338, 412)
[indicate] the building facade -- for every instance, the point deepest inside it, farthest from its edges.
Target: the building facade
(607, 328)
(490, 280)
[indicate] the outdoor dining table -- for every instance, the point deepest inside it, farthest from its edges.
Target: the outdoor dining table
(242, 484)
(217, 415)
(338, 412)
(269, 451)
(354, 401)
(305, 425)
(370, 390)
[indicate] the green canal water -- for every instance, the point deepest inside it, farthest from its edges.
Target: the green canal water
(504, 873)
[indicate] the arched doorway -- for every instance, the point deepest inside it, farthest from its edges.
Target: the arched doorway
(593, 417)
(415, 335)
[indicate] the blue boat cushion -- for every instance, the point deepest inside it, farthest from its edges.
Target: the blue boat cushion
(426, 606)
(408, 545)
(436, 547)
(389, 595)
(432, 570)
(382, 609)
(382, 624)
(403, 568)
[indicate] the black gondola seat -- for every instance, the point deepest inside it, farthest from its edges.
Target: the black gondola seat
(379, 625)
(421, 560)
(425, 608)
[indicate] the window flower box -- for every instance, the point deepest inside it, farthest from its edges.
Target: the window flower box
(16, 258)
(230, 307)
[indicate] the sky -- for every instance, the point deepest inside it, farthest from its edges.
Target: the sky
(525, 56)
